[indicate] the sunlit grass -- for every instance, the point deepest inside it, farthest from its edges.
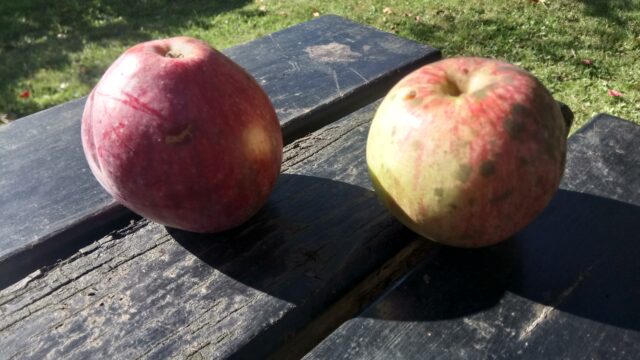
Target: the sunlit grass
(579, 49)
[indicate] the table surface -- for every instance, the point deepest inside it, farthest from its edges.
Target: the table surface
(322, 271)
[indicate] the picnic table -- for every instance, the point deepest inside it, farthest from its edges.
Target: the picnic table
(323, 270)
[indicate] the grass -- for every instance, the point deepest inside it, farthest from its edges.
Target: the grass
(581, 50)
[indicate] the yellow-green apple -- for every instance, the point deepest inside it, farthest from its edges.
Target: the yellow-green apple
(180, 134)
(467, 151)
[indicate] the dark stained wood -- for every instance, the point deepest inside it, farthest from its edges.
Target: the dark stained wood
(155, 292)
(314, 73)
(322, 70)
(565, 287)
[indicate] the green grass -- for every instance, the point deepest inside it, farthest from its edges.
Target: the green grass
(58, 52)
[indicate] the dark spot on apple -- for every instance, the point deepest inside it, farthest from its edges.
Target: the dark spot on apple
(471, 201)
(523, 161)
(488, 168)
(416, 102)
(503, 196)
(439, 192)
(514, 127)
(393, 131)
(464, 172)
(453, 206)
(518, 110)
(410, 95)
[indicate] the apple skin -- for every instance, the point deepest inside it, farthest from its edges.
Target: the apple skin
(467, 151)
(180, 134)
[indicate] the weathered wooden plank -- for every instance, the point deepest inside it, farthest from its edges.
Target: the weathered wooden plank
(148, 291)
(319, 71)
(314, 73)
(565, 287)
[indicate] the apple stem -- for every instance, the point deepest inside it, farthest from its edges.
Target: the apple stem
(174, 54)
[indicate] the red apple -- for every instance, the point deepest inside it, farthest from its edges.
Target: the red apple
(180, 134)
(467, 151)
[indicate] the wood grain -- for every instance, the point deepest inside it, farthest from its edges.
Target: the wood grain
(565, 287)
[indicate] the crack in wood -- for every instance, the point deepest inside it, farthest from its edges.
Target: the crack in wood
(163, 340)
(200, 327)
(335, 133)
(547, 312)
(63, 284)
(362, 294)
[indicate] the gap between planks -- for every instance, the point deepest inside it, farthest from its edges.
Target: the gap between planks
(356, 300)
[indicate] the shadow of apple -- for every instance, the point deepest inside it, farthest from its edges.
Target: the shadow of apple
(580, 257)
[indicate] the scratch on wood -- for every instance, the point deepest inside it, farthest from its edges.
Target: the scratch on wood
(547, 311)
(335, 79)
(294, 65)
(360, 75)
(483, 329)
(275, 43)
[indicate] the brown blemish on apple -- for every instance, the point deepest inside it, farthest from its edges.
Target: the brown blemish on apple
(488, 168)
(411, 95)
(439, 192)
(464, 172)
(416, 102)
(503, 196)
(523, 161)
(514, 126)
(181, 137)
